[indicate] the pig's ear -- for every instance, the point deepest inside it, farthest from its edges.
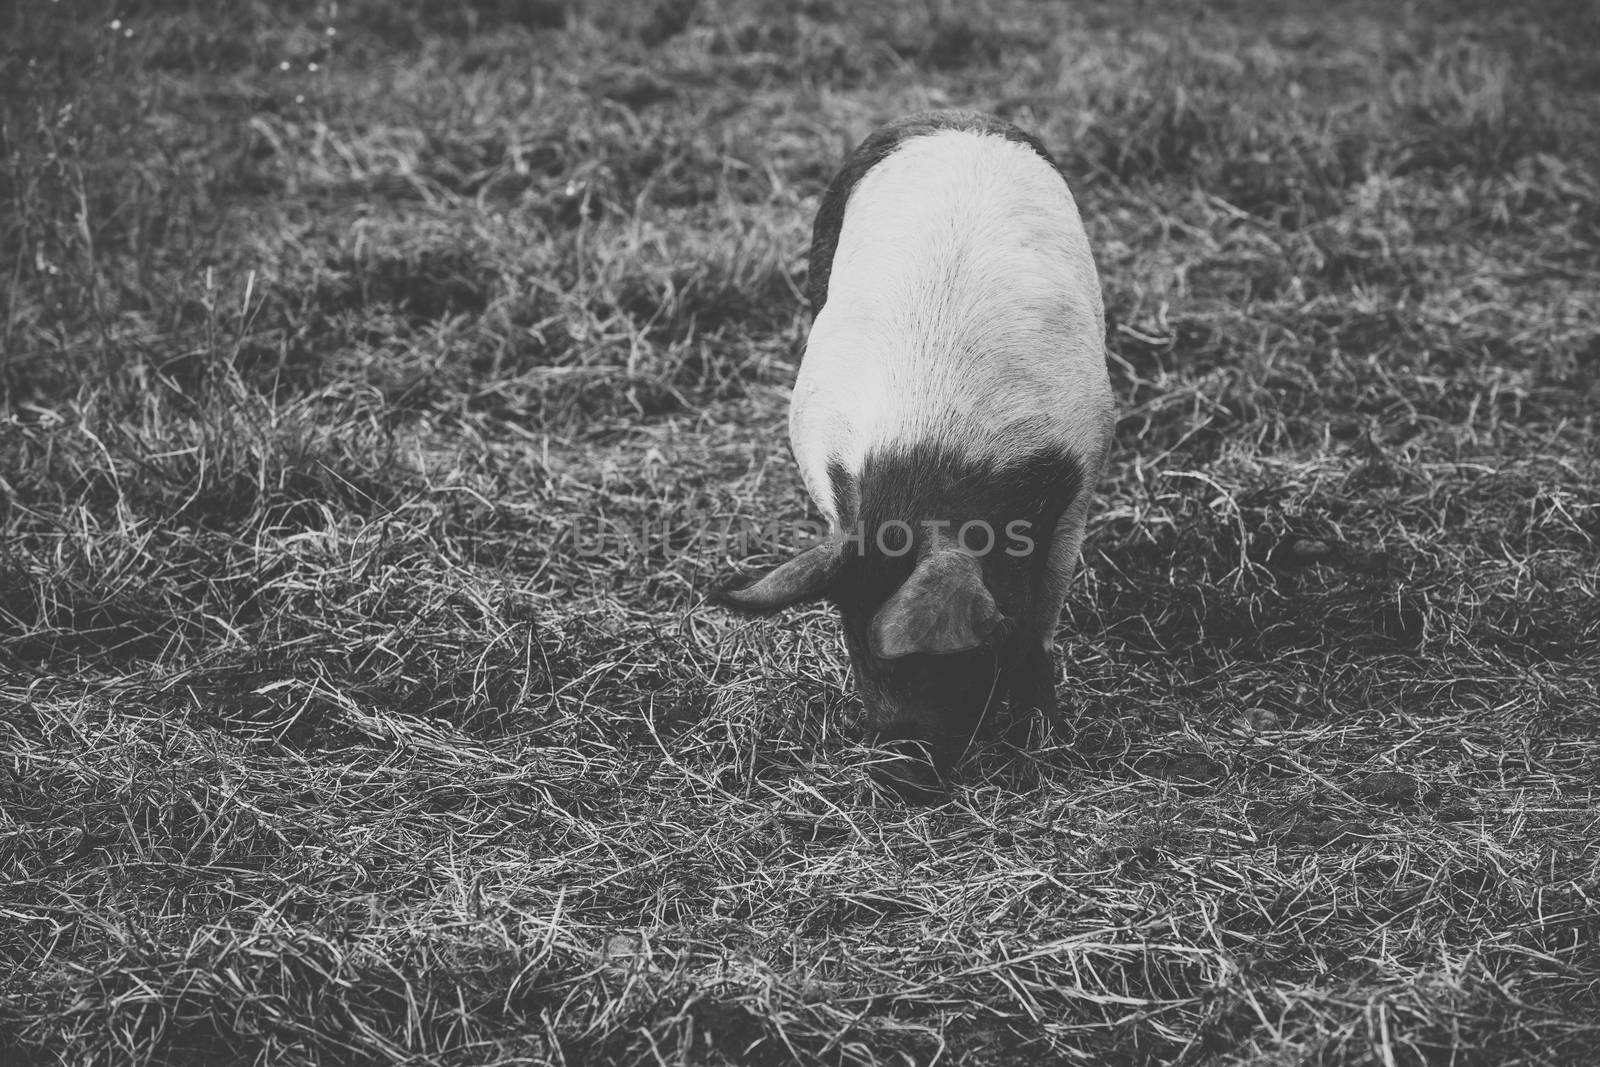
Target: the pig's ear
(806, 577)
(943, 607)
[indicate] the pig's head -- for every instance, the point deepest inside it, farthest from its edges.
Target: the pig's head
(941, 618)
(924, 639)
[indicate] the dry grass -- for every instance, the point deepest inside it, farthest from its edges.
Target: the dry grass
(333, 732)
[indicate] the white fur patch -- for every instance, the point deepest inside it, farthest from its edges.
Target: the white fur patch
(963, 306)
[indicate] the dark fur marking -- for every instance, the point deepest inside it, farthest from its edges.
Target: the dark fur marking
(932, 482)
(944, 695)
(941, 481)
(843, 488)
(878, 146)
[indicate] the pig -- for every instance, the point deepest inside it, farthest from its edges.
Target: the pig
(951, 417)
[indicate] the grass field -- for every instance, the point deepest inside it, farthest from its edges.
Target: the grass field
(373, 375)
